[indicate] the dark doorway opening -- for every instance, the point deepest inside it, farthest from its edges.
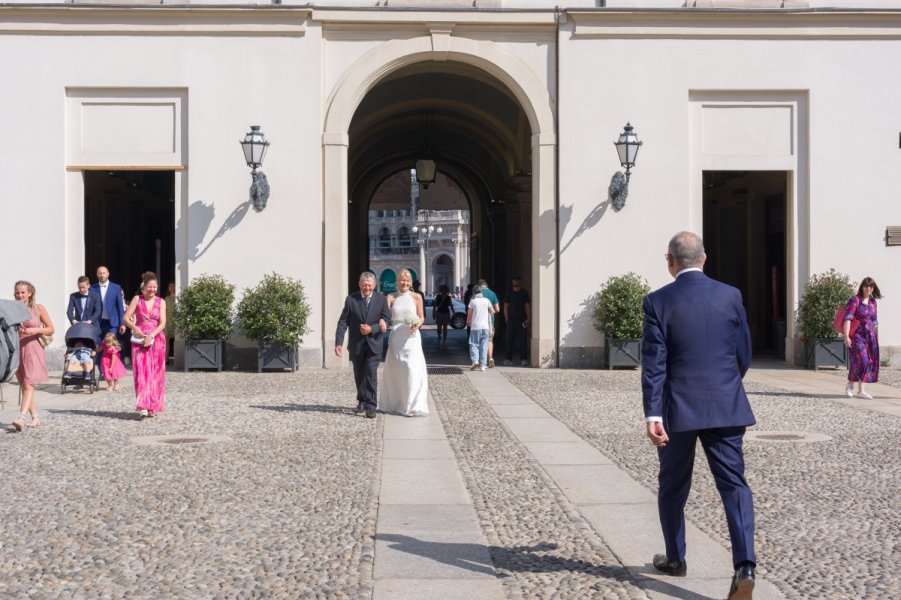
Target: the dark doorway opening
(129, 226)
(744, 234)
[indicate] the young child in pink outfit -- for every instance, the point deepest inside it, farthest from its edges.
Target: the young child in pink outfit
(111, 361)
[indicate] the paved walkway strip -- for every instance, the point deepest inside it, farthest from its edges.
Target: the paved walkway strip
(428, 540)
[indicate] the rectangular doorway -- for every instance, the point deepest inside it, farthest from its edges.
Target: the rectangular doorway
(129, 226)
(745, 238)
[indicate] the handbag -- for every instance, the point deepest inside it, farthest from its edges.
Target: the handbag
(45, 340)
(838, 322)
(139, 340)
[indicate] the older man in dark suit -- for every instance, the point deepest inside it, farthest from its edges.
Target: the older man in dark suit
(695, 351)
(84, 306)
(366, 316)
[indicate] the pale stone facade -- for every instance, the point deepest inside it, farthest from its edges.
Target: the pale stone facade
(766, 123)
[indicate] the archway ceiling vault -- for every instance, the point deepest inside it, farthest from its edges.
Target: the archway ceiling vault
(474, 126)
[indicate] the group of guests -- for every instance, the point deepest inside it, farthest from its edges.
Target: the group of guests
(102, 307)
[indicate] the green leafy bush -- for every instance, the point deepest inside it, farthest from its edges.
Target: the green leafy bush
(823, 293)
(276, 310)
(205, 309)
(618, 309)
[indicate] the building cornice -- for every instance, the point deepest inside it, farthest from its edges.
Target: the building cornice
(483, 18)
(736, 24)
(168, 20)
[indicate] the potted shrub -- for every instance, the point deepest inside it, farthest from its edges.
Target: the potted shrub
(823, 294)
(275, 314)
(618, 314)
(204, 313)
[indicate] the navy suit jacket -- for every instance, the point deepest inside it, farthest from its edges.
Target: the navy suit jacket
(115, 307)
(354, 315)
(695, 350)
(91, 312)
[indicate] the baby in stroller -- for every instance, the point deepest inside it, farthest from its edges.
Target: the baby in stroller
(79, 358)
(81, 345)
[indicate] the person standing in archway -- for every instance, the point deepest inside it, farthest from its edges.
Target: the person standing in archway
(441, 312)
(495, 308)
(517, 316)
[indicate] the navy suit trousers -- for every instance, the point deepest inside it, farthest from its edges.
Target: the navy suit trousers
(723, 447)
(366, 365)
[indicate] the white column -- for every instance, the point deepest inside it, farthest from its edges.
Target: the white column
(335, 252)
(544, 243)
(422, 259)
(458, 267)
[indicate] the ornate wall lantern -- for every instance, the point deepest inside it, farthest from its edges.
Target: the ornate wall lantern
(627, 147)
(255, 146)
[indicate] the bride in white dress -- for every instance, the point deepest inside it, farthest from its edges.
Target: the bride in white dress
(405, 384)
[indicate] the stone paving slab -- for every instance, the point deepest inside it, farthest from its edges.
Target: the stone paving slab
(445, 589)
(520, 411)
(413, 428)
(540, 430)
(422, 481)
(417, 448)
(596, 484)
(427, 519)
(439, 556)
(566, 453)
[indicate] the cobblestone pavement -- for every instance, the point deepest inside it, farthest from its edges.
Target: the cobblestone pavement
(539, 543)
(283, 507)
(826, 512)
(281, 503)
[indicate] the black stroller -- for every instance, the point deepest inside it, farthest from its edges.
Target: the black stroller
(85, 334)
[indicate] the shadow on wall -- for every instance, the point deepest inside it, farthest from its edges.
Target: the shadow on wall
(200, 216)
(546, 254)
(581, 357)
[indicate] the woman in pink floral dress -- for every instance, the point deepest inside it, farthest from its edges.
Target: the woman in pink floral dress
(863, 354)
(146, 317)
(32, 364)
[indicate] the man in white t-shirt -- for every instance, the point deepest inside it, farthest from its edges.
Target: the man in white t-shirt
(478, 319)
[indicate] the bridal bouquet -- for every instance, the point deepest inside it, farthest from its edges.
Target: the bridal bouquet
(412, 321)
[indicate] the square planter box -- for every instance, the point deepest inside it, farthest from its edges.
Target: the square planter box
(203, 354)
(820, 352)
(623, 353)
(276, 356)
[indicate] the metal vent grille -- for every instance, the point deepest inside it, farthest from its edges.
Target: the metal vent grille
(893, 235)
(445, 371)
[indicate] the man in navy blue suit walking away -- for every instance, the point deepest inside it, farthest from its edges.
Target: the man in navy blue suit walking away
(695, 351)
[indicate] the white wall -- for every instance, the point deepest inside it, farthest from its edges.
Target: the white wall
(854, 157)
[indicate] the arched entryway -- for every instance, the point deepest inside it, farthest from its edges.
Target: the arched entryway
(487, 117)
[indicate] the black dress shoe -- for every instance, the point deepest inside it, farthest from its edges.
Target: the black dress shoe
(676, 568)
(742, 586)
(359, 408)
(370, 413)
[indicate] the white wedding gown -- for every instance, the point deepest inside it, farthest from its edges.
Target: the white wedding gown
(405, 384)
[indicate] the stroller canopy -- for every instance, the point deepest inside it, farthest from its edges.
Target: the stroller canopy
(84, 333)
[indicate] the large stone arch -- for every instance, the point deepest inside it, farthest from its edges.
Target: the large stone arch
(535, 100)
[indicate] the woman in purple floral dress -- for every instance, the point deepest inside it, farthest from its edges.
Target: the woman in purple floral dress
(864, 344)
